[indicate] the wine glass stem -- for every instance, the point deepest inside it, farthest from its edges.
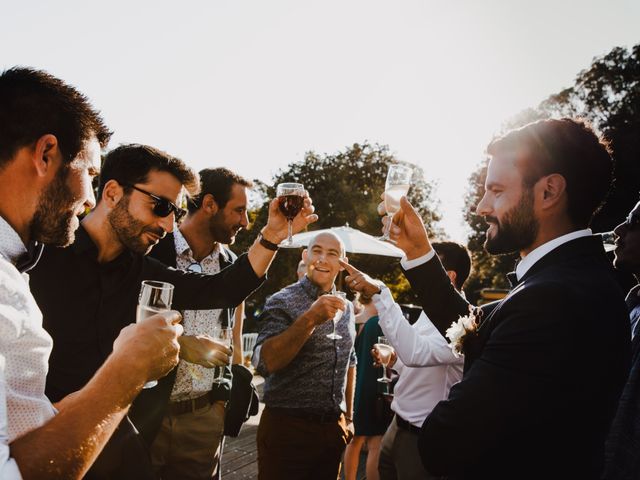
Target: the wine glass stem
(387, 228)
(290, 225)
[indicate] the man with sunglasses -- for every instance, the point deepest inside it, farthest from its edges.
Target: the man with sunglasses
(189, 439)
(622, 453)
(140, 188)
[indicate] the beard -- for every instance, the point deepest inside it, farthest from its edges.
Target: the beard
(517, 230)
(130, 230)
(221, 232)
(55, 220)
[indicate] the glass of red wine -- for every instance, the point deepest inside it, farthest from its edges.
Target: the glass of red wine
(290, 201)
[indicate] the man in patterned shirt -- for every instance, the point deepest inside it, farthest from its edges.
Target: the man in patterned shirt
(309, 378)
(189, 439)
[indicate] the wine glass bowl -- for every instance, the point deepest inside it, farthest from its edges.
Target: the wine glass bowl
(338, 315)
(396, 186)
(155, 297)
(609, 241)
(385, 351)
(223, 335)
(290, 202)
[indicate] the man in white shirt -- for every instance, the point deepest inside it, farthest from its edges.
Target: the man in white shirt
(418, 389)
(50, 144)
(425, 363)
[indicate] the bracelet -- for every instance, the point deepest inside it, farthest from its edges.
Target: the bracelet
(267, 244)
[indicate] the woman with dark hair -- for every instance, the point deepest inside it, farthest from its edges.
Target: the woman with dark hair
(368, 421)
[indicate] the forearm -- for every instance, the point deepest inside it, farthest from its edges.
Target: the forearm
(238, 353)
(437, 295)
(278, 351)
(261, 257)
(67, 445)
(350, 390)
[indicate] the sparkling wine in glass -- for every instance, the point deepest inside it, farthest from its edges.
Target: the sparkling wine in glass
(223, 335)
(385, 350)
(609, 241)
(396, 186)
(338, 316)
(290, 201)
(155, 297)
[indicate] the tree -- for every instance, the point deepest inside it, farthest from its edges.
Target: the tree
(345, 188)
(608, 95)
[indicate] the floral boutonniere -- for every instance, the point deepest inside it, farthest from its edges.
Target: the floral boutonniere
(458, 333)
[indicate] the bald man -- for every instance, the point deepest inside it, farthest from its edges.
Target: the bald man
(309, 378)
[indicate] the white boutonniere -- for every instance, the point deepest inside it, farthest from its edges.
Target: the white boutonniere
(458, 333)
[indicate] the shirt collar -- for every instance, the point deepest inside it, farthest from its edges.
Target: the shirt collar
(530, 260)
(312, 289)
(183, 248)
(13, 249)
(11, 245)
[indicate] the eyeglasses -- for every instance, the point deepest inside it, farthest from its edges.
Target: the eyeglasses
(163, 207)
(195, 267)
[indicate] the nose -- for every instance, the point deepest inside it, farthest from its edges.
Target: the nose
(483, 208)
(166, 223)
(620, 229)
(244, 221)
(90, 199)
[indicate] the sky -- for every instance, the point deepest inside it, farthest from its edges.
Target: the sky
(253, 84)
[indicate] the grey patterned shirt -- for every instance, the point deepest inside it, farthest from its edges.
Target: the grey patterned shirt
(315, 379)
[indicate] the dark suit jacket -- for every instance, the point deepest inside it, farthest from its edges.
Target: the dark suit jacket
(151, 404)
(542, 377)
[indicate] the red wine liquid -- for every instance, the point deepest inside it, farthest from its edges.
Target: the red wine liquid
(290, 205)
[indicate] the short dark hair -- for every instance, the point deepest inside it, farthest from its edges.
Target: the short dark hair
(454, 257)
(131, 164)
(217, 182)
(34, 103)
(568, 147)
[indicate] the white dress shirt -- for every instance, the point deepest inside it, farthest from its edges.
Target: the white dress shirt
(25, 347)
(418, 390)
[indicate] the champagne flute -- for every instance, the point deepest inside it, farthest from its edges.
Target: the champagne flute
(397, 185)
(385, 350)
(155, 297)
(338, 316)
(609, 241)
(223, 335)
(290, 201)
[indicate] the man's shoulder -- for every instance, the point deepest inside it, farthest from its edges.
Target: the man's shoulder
(283, 296)
(165, 250)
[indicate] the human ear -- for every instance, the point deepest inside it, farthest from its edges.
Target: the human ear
(112, 193)
(553, 188)
(209, 204)
(46, 154)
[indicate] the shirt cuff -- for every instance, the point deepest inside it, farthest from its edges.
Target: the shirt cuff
(383, 300)
(416, 262)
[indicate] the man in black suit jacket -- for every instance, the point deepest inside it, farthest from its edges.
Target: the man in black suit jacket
(545, 368)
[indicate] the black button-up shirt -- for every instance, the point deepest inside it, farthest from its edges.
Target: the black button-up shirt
(85, 304)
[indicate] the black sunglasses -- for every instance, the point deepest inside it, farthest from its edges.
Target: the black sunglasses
(163, 207)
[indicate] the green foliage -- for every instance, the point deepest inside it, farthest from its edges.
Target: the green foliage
(346, 189)
(608, 95)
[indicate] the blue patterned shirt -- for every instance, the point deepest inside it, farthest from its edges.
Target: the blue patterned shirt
(315, 379)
